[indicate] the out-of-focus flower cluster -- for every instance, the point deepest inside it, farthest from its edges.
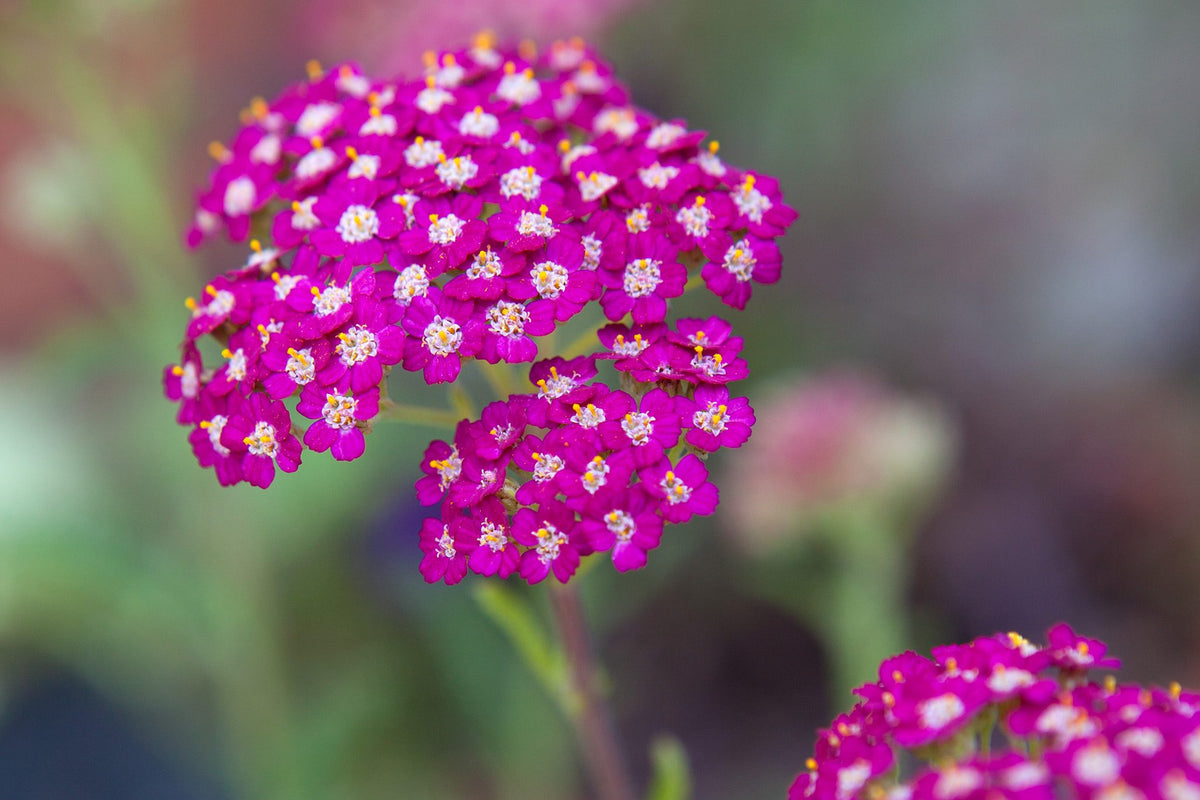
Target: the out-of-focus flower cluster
(466, 215)
(1002, 718)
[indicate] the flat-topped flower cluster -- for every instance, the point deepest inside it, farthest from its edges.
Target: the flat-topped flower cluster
(470, 214)
(1002, 718)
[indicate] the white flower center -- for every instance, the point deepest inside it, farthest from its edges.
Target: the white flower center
(519, 87)
(357, 345)
(448, 468)
(523, 181)
(486, 265)
(547, 467)
(531, 224)
(358, 224)
(592, 249)
(1025, 776)
(493, 536)
(695, 219)
(852, 778)
(189, 380)
(711, 163)
(751, 202)
(479, 123)
(457, 171)
(556, 385)
(365, 166)
(300, 366)
(379, 125)
(443, 336)
(675, 489)
(656, 176)
(315, 162)
(507, 319)
(638, 220)
(240, 195)
(712, 366)
(621, 524)
(589, 416)
(237, 365)
(740, 261)
(1095, 765)
(303, 218)
(267, 151)
(630, 348)
(595, 185)
(331, 300)
(550, 542)
(956, 781)
(339, 411)
(549, 279)
(423, 153)
(1007, 680)
(446, 544)
(938, 712)
(638, 426)
(642, 277)
(710, 420)
(284, 285)
(1191, 748)
(432, 99)
(664, 135)
(620, 121)
(596, 475)
(445, 230)
(261, 442)
(1143, 741)
(214, 428)
(316, 118)
(411, 282)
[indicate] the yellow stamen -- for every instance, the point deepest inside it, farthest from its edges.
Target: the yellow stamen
(176, 370)
(205, 424)
(218, 151)
(527, 49)
(190, 303)
(313, 67)
(352, 153)
(256, 245)
(509, 68)
(430, 82)
(448, 60)
(226, 353)
(429, 58)
(317, 142)
(210, 290)
(1175, 689)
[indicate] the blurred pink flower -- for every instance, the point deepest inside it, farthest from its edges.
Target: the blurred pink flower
(393, 36)
(826, 441)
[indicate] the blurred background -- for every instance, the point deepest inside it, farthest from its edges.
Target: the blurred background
(977, 387)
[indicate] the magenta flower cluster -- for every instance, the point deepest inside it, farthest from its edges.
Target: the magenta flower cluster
(1002, 718)
(470, 214)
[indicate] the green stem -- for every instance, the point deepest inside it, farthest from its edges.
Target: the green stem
(593, 723)
(569, 674)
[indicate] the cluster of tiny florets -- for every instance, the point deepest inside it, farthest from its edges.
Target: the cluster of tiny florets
(469, 214)
(1002, 718)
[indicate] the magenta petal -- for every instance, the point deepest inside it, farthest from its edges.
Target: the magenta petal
(349, 445)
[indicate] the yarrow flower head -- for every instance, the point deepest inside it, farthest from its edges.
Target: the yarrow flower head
(472, 214)
(1000, 717)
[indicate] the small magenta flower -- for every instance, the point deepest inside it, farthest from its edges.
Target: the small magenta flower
(260, 430)
(340, 419)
